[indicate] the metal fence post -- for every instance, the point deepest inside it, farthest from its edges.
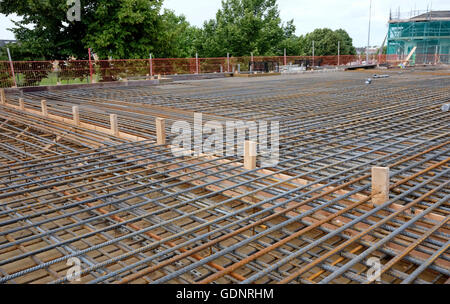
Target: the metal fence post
(90, 66)
(12, 68)
(313, 53)
(196, 62)
(339, 53)
(151, 65)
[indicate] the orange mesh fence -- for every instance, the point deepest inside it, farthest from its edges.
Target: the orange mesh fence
(6, 79)
(34, 73)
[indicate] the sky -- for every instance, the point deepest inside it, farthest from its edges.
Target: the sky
(351, 15)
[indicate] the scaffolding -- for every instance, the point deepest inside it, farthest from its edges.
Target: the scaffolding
(429, 32)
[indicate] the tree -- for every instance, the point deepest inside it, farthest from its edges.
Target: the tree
(178, 36)
(18, 53)
(124, 29)
(347, 47)
(242, 27)
(43, 31)
(326, 43)
(116, 28)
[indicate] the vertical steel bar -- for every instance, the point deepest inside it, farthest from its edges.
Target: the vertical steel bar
(151, 65)
(368, 38)
(339, 53)
(313, 53)
(196, 64)
(12, 67)
(91, 72)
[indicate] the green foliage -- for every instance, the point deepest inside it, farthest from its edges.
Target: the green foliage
(132, 29)
(43, 31)
(326, 43)
(116, 28)
(177, 36)
(18, 53)
(123, 29)
(242, 27)
(292, 46)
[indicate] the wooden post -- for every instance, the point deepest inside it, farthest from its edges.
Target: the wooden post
(380, 185)
(76, 115)
(44, 107)
(21, 104)
(250, 155)
(2, 96)
(160, 131)
(114, 124)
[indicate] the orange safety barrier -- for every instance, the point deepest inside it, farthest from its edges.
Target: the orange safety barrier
(35, 73)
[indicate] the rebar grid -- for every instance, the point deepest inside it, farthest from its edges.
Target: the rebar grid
(135, 213)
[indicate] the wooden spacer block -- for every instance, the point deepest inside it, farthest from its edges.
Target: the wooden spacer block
(250, 155)
(114, 124)
(160, 131)
(44, 107)
(76, 115)
(380, 185)
(21, 104)
(2, 96)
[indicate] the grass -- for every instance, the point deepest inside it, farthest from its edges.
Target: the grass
(52, 79)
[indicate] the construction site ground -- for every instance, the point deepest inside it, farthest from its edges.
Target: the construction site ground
(133, 212)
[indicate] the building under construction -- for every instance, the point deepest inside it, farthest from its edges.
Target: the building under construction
(88, 177)
(428, 32)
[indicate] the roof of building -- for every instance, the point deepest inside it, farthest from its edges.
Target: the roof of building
(428, 16)
(433, 15)
(4, 42)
